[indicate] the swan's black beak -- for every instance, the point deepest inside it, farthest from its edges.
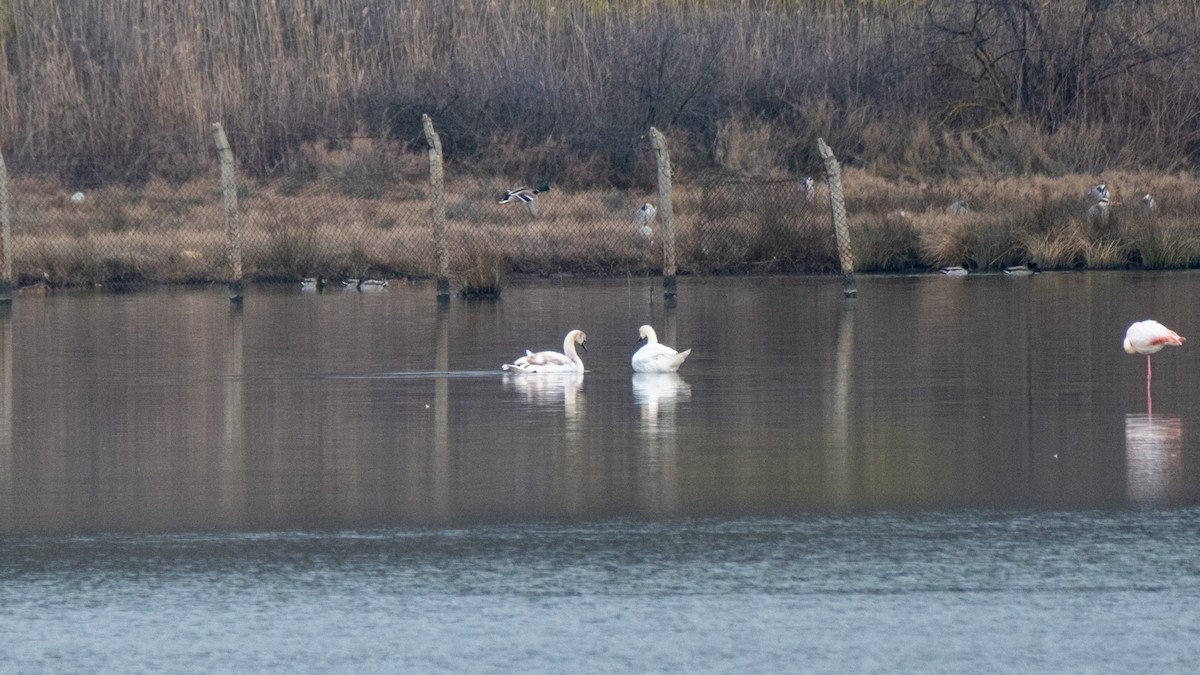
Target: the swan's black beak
(583, 345)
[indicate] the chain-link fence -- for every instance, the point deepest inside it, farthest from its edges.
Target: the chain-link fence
(365, 211)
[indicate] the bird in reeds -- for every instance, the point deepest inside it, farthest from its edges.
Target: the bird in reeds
(958, 208)
(1149, 337)
(655, 357)
(1023, 270)
(1147, 202)
(642, 219)
(1101, 198)
(810, 188)
(567, 361)
(525, 195)
(955, 271)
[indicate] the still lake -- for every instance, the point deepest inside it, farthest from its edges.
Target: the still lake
(942, 474)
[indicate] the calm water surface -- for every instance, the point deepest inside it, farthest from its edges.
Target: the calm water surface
(942, 474)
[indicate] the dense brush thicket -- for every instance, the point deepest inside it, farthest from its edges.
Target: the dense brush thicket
(566, 90)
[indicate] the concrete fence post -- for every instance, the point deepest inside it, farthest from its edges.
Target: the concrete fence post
(665, 210)
(841, 229)
(233, 229)
(437, 207)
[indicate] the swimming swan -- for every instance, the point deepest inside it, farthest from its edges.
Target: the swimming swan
(552, 362)
(654, 357)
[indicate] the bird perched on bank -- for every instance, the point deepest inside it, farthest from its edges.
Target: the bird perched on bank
(567, 361)
(958, 208)
(525, 195)
(1147, 202)
(1100, 196)
(642, 219)
(1023, 270)
(655, 357)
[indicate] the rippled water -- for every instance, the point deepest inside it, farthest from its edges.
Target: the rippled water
(943, 474)
(1028, 592)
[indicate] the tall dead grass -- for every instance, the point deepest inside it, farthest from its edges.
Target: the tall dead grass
(564, 91)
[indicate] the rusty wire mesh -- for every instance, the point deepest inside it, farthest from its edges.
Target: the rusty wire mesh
(745, 225)
(370, 216)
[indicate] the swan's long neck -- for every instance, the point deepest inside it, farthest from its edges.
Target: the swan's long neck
(569, 350)
(651, 337)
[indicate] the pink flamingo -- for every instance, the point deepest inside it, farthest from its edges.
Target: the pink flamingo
(1149, 337)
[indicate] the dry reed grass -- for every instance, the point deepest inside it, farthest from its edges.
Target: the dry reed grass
(173, 232)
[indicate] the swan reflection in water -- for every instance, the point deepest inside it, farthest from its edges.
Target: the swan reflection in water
(1153, 457)
(656, 394)
(549, 389)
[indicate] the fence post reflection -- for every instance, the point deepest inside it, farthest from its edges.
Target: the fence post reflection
(7, 480)
(232, 467)
(439, 469)
(837, 460)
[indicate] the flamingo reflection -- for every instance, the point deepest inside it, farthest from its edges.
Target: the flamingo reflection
(1153, 457)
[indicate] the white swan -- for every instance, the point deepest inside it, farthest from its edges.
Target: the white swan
(552, 362)
(654, 357)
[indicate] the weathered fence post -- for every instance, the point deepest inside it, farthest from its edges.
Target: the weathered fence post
(667, 214)
(437, 207)
(6, 280)
(837, 203)
(233, 229)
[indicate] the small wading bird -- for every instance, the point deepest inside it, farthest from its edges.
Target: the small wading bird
(1149, 337)
(552, 362)
(655, 357)
(642, 219)
(525, 195)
